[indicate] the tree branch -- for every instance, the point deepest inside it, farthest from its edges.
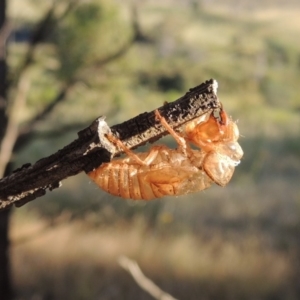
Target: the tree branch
(91, 148)
(41, 31)
(12, 128)
(145, 283)
(60, 97)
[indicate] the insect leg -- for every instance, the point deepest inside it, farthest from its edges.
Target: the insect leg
(179, 139)
(147, 161)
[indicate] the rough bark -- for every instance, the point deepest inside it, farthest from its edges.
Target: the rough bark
(91, 148)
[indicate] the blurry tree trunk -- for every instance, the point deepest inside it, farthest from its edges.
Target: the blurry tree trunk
(5, 283)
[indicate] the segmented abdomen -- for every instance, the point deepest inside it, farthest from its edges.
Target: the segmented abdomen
(171, 173)
(120, 179)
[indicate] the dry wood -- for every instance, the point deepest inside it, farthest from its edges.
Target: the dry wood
(145, 283)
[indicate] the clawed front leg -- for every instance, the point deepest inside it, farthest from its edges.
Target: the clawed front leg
(181, 141)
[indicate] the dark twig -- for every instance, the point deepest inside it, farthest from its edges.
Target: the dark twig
(60, 97)
(91, 148)
(40, 33)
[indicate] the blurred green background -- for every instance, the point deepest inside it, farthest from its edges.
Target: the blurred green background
(119, 59)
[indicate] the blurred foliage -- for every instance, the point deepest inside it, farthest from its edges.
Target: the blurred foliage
(253, 50)
(90, 33)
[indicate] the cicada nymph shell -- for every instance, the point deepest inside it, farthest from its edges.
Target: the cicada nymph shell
(218, 139)
(171, 172)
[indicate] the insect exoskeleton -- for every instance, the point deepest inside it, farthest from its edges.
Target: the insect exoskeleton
(168, 173)
(217, 137)
(163, 171)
